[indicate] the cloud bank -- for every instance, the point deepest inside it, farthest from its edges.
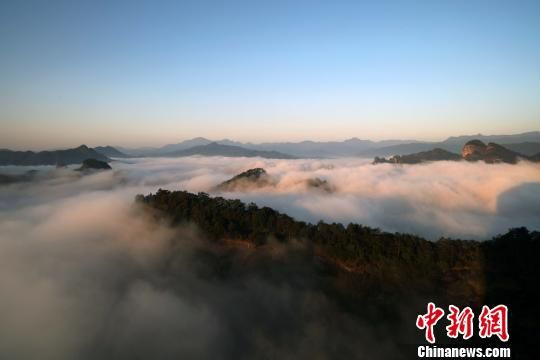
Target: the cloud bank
(86, 275)
(441, 199)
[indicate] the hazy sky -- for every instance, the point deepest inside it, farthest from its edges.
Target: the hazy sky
(147, 73)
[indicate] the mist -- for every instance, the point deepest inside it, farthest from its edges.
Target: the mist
(87, 274)
(433, 200)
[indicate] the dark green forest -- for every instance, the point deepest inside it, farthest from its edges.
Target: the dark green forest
(378, 270)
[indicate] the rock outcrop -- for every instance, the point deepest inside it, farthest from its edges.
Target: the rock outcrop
(93, 164)
(320, 184)
(473, 148)
(476, 150)
(247, 180)
(257, 178)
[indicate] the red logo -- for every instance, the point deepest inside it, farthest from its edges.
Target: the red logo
(490, 322)
(429, 320)
(494, 322)
(460, 322)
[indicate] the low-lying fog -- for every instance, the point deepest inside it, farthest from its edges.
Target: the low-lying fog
(450, 199)
(82, 273)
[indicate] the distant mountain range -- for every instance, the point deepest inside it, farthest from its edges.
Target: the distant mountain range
(215, 149)
(55, 157)
(525, 143)
(167, 149)
(303, 149)
(105, 153)
(110, 151)
(197, 146)
(473, 150)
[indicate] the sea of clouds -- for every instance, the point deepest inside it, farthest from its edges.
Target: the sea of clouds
(85, 274)
(440, 199)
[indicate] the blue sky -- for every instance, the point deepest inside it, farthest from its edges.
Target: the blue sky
(145, 73)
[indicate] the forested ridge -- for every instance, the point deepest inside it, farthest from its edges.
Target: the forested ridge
(354, 244)
(377, 268)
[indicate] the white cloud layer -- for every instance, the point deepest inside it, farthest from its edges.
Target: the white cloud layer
(451, 199)
(84, 275)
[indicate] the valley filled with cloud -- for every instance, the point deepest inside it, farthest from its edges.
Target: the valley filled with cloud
(85, 273)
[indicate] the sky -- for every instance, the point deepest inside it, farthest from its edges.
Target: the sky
(141, 73)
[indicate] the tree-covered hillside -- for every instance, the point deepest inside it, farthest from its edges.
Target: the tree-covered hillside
(380, 270)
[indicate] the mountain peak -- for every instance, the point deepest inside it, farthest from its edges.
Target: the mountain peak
(475, 142)
(249, 179)
(93, 164)
(54, 157)
(491, 153)
(472, 149)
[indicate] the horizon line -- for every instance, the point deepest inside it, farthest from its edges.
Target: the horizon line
(157, 146)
